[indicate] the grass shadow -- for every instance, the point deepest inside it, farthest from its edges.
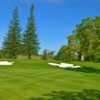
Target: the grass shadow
(87, 94)
(86, 69)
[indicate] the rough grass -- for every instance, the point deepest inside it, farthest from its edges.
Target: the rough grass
(36, 80)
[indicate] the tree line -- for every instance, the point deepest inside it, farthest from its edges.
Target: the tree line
(15, 43)
(83, 43)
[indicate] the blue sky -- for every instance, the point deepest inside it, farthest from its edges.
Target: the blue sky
(55, 19)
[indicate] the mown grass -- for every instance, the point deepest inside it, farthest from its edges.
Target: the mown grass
(36, 80)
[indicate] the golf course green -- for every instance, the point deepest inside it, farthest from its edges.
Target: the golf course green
(36, 80)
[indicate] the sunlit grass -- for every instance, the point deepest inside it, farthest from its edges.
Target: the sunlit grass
(33, 80)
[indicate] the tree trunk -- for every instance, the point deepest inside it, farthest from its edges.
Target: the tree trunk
(29, 56)
(14, 55)
(82, 57)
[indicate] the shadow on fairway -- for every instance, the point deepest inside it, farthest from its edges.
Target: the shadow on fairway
(86, 70)
(63, 95)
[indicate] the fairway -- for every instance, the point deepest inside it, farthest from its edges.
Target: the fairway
(36, 80)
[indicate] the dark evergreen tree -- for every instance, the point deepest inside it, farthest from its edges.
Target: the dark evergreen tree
(30, 38)
(12, 40)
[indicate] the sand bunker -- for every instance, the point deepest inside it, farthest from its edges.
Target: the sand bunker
(64, 65)
(6, 63)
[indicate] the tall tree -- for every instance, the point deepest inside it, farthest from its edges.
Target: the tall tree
(84, 37)
(30, 38)
(12, 40)
(96, 42)
(87, 37)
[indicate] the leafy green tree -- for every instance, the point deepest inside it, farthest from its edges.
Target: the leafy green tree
(84, 37)
(48, 54)
(87, 39)
(65, 54)
(30, 38)
(72, 43)
(84, 42)
(12, 40)
(96, 42)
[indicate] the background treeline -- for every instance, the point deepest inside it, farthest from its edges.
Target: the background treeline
(83, 43)
(17, 43)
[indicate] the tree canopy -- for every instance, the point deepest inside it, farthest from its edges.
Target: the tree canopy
(84, 41)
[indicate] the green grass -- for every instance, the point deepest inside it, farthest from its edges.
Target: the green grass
(36, 80)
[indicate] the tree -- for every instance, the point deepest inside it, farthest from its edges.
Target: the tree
(45, 54)
(68, 52)
(48, 54)
(51, 54)
(87, 39)
(84, 37)
(72, 43)
(96, 42)
(65, 54)
(12, 40)
(30, 38)
(1, 53)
